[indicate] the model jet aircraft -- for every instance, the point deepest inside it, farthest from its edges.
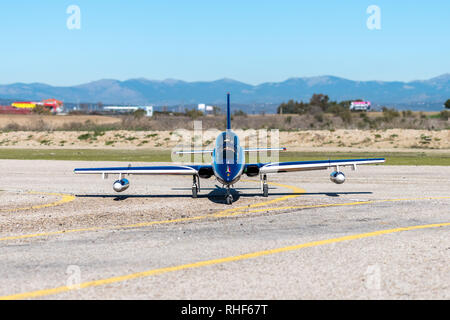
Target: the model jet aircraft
(228, 165)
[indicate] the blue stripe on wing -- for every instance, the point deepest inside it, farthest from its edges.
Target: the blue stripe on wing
(138, 169)
(133, 168)
(320, 162)
(314, 163)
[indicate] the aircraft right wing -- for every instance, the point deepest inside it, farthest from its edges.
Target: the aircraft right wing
(275, 167)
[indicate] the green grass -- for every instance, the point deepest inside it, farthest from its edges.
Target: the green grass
(86, 155)
(392, 158)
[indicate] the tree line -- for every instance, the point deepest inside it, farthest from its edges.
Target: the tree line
(319, 103)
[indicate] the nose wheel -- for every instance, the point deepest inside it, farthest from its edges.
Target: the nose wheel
(229, 196)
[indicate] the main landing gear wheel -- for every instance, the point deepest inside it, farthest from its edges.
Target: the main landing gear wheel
(194, 192)
(265, 186)
(195, 186)
(265, 190)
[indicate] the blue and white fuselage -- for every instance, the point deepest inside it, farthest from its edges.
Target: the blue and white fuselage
(228, 158)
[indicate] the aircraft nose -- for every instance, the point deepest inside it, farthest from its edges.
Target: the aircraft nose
(228, 174)
(228, 178)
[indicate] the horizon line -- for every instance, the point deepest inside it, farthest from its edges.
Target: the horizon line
(220, 79)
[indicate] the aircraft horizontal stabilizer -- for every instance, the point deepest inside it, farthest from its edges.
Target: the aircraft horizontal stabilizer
(193, 152)
(264, 149)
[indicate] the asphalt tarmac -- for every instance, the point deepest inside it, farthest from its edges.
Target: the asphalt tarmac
(384, 234)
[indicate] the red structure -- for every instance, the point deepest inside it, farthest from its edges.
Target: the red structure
(26, 107)
(13, 110)
(54, 104)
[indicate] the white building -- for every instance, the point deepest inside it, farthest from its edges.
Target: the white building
(148, 109)
(360, 105)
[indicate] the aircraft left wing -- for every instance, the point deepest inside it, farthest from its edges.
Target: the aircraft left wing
(123, 184)
(275, 167)
(175, 170)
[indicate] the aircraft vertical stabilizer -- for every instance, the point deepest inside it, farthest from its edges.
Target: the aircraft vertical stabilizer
(228, 112)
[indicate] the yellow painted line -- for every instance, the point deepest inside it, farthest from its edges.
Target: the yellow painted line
(356, 203)
(294, 189)
(154, 272)
(220, 214)
(65, 198)
(45, 234)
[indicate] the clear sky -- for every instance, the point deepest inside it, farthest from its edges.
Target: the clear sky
(253, 41)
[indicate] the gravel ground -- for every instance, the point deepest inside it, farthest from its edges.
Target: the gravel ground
(177, 230)
(341, 140)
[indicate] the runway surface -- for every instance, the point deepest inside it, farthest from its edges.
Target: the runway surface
(384, 234)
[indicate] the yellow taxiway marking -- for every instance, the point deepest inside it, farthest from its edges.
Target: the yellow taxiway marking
(154, 272)
(356, 203)
(64, 199)
(295, 190)
(221, 214)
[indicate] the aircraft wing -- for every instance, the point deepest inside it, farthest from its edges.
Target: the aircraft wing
(171, 170)
(245, 150)
(275, 167)
(264, 149)
(193, 152)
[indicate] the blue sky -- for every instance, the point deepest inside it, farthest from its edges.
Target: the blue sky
(250, 41)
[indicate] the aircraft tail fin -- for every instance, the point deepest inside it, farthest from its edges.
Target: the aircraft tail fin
(228, 112)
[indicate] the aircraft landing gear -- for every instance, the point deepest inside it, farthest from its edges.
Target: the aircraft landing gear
(229, 196)
(265, 186)
(195, 186)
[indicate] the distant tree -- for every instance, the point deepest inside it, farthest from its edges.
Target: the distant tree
(216, 110)
(41, 110)
(447, 104)
(407, 114)
(346, 103)
(389, 114)
(293, 107)
(193, 113)
(139, 113)
(444, 115)
(240, 113)
(320, 100)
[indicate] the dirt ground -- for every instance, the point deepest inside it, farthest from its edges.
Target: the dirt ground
(353, 140)
(53, 122)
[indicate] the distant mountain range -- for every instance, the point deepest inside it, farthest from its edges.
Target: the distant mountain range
(434, 91)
